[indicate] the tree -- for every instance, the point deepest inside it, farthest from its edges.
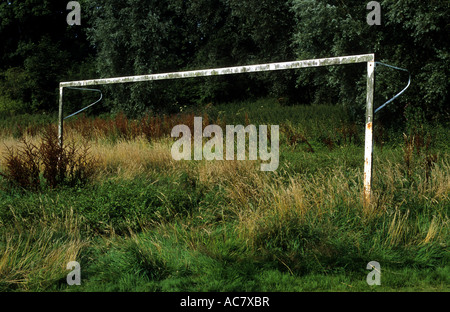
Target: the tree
(135, 37)
(412, 35)
(141, 37)
(37, 41)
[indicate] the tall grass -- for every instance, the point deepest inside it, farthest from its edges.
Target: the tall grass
(34, 256)
(150, 223)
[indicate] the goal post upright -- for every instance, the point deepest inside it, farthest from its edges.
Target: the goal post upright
(352, 59)
(368, 141)
(60, 116)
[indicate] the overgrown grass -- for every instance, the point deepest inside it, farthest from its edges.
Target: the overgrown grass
(149, 223)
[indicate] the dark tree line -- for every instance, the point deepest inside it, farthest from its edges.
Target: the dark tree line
(130, 37)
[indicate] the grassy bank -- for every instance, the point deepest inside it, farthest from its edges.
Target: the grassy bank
(148, 223)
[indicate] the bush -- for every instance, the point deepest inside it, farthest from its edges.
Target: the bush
(9, 107)
(29, 167)
(22, 166)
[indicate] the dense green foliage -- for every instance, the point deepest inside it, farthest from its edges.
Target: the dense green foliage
(129, 37)
(412, 35)
(38, 49)
(138, 37)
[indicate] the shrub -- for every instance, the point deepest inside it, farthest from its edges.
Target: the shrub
(50, 163)
(22, 166)
(10, 106)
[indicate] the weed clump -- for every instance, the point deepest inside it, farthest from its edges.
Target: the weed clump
(22, 166)
(32, 167)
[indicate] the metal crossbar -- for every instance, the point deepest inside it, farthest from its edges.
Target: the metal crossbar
(225, 71)
(352, 59)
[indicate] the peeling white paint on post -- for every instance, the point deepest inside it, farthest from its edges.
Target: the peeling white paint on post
(352, 59)
(368, 145)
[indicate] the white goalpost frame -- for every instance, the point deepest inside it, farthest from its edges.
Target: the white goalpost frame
(352, 59)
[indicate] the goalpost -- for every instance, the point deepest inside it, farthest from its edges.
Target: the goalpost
(364, 58)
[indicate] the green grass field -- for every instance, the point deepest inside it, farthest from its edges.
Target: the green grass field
(145, 222)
